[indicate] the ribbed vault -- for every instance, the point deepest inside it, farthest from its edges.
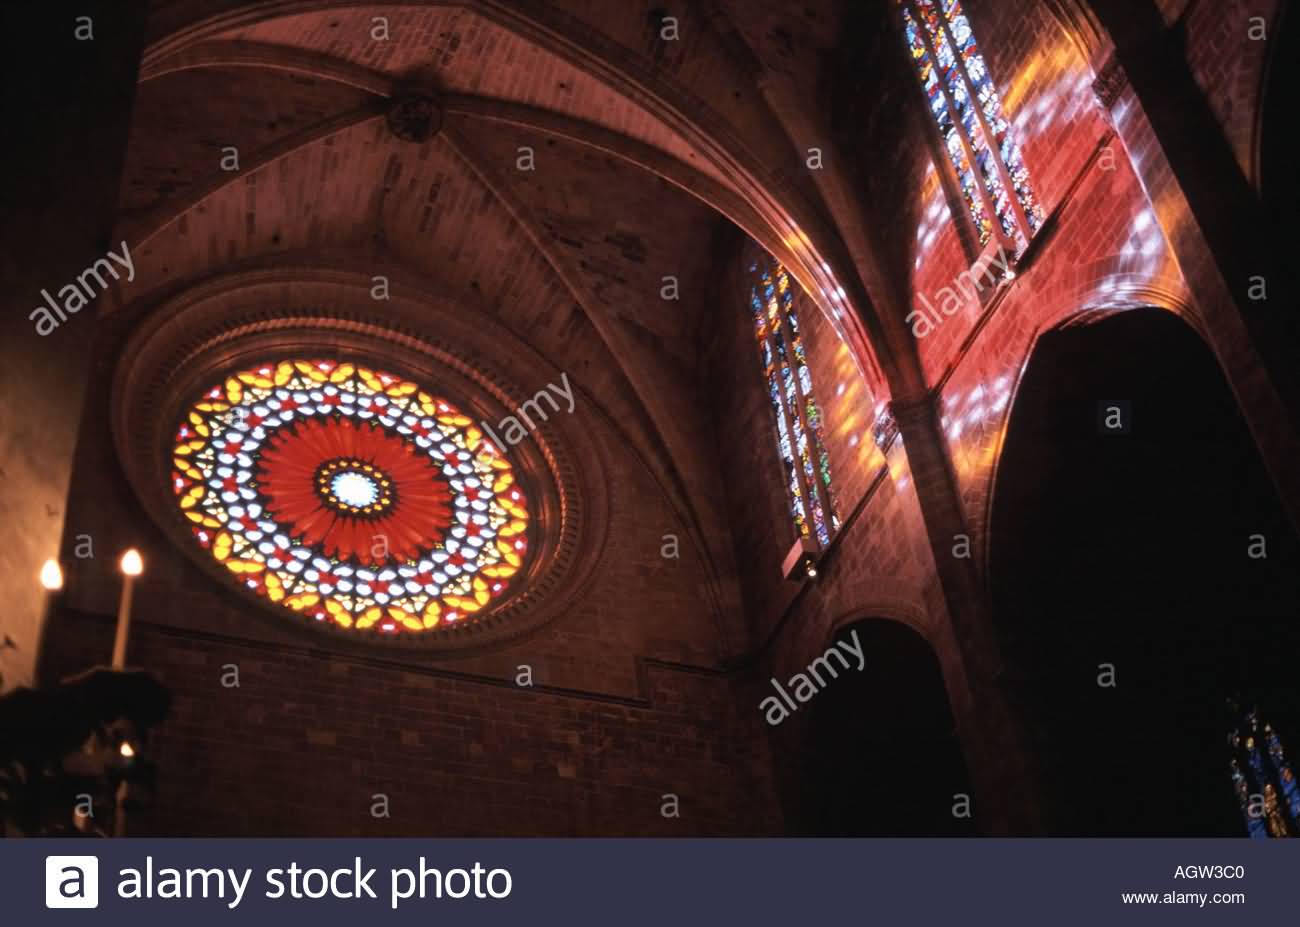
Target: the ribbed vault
(572, 179)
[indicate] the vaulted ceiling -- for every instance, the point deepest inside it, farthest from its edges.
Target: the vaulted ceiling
(635, 178)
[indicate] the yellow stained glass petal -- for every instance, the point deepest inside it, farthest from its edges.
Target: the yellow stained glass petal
(240, 539)
(516, 526)
(221, 546)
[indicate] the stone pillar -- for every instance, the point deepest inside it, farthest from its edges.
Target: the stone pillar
(993, 736)
(1212, 220)
(69, 82)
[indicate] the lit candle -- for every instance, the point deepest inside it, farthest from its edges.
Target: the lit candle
(132, 566)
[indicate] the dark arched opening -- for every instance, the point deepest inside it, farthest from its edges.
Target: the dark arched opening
(879, 755)
(1134, 551)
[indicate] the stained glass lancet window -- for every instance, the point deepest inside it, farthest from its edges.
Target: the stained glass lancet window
(800, 438)
(978, 139)
(1263, 779)
(350, 497)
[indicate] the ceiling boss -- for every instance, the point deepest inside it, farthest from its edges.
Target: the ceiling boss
(350, 496)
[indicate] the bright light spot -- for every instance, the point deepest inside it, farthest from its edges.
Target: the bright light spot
(132, 563)
(355, 489)
(52, 575)
(126, 749)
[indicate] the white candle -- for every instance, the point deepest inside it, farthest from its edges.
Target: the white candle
(132, 566)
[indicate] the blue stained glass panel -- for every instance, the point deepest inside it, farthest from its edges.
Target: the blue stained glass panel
(798, 417)
(960, 67)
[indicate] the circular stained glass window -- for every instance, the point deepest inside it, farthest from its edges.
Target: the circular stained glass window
(350, 496)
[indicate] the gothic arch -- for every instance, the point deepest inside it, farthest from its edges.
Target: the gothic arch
(910, 614)
(880, 755)
(1124, 557)
(1086, 296)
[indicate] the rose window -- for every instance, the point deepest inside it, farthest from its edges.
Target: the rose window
(350, 496)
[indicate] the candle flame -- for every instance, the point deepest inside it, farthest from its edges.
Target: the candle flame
(132, 563)
(52, 575)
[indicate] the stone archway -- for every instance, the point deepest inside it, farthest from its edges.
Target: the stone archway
(880, 756)
(1126, 598)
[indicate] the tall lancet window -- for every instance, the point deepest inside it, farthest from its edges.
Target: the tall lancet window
(1263, 780)
(980, 143)
(790, 389)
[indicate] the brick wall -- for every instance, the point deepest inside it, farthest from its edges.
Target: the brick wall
(1228, 61)
(593, 646)
(308, 739)
(1105, 251)
(879, 564)
(457, 745)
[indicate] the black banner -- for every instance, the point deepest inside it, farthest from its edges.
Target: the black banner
(695, 881)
